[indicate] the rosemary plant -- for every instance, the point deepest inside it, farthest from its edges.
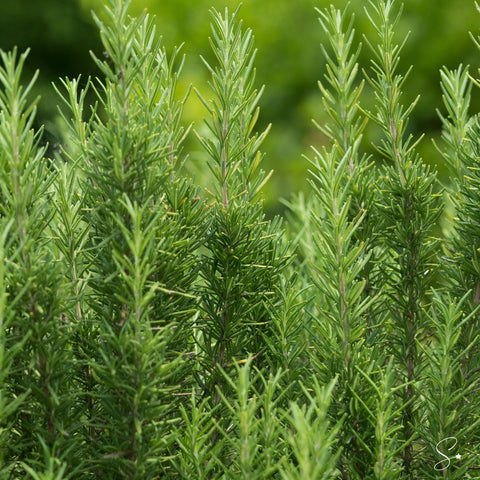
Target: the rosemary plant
(460, 340)
(341, 256)
(245, 254)
(451, 415)
(35, 337)
(152, 329)
(313, 441)
(8, 404)
(408, 211)
(141, 228)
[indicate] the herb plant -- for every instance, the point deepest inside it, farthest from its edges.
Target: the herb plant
(154, 328)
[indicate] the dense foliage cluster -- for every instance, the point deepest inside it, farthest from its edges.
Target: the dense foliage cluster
(152, 329)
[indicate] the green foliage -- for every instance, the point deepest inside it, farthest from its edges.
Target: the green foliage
(449, 411)
(312, 443)
(153, 329)
(244, 256)
(289, 70)
(384, 415)
(143, 230)
(34, 336)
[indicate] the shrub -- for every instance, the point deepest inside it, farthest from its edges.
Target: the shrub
(151, 328)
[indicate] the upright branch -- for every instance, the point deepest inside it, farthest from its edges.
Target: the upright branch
(244, 256)
(43, 367)
(340, 264)
(9, 405)
(460, 149)
(457, 91)
(341, 89)
(408, 210)
(142, 231)
(450, 389)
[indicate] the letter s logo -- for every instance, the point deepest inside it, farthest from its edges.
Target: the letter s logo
(446, 459)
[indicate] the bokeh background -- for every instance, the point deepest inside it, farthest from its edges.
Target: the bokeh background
(289, 62)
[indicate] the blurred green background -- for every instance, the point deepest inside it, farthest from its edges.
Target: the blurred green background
(60, 34)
